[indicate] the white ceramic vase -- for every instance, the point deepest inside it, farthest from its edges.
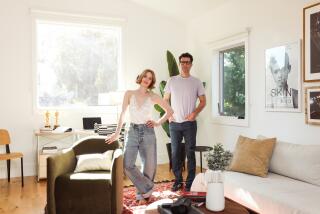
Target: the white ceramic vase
(215, 191)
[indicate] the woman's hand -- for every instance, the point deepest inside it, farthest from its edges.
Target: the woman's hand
(111, 138)
(152, 123)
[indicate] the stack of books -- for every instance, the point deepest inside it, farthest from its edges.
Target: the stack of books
(103, 130)
(107, 129)
(49, 149)
(195, 196)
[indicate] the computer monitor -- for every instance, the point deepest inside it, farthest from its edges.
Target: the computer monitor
(88, 122)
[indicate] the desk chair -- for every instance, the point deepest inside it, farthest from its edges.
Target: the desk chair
(5, 140)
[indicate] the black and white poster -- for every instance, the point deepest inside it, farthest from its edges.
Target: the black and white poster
(282, 78)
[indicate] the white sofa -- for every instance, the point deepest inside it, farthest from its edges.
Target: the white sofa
(275, 194)
(292, 185)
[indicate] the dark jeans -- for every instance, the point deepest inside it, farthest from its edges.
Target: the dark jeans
(188, 131)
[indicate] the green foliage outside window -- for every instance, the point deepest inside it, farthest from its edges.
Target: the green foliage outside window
(234, 82)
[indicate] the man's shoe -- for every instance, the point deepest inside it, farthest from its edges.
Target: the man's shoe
(176, 187)
(187, 188)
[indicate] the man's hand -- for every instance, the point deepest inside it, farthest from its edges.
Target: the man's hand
(111, 138)
(171, 119)
(191, 117)
(151, 123)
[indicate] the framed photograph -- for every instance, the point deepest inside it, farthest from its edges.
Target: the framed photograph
(312, 98)
(311, 43)
(282, 78)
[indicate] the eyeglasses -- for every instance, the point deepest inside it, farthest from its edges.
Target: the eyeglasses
(185, 62)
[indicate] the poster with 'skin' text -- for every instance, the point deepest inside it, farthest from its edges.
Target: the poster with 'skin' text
(282, 78)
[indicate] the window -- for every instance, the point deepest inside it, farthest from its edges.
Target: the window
(232, 82)
(77, 63)
(229, 80)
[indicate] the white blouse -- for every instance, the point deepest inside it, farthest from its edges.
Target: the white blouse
(140, 114)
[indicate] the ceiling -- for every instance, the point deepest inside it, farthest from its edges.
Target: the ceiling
(183, 10)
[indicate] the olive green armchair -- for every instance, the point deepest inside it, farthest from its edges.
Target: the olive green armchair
(91, 192)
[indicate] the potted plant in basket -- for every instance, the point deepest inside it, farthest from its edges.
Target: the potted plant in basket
(218, 159)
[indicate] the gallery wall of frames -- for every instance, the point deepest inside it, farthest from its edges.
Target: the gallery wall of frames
(311, 62)
(284, 89)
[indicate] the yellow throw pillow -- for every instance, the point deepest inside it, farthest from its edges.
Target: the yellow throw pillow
(252, 156)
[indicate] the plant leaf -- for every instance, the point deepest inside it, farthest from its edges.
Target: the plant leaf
(165, 127)
(162, 85)
(172, 64)
(159, 109)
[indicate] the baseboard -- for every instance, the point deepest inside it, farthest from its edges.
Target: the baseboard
(28, 169)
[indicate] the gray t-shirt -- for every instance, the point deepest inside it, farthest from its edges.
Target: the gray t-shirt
(184, 94)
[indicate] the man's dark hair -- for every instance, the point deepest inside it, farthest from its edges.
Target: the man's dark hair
(187, 55)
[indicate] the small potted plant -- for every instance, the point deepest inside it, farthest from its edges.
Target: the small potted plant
(218, 159)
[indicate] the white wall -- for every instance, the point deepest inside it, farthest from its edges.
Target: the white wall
(147, 36)
(272, 23)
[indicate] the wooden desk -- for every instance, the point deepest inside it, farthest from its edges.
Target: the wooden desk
(54, 139)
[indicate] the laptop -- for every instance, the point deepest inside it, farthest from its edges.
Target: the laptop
(88, 122)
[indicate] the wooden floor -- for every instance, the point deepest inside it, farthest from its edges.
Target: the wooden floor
(31, 198)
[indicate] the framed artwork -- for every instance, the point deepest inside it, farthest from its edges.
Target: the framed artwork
(311, 43)
(282, 78)
(312, 99)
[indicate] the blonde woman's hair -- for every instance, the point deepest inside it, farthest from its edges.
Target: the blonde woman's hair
(144, 73)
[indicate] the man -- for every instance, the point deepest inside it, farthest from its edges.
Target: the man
(282, 95)
(184, 91)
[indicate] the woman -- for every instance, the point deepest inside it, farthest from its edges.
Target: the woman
(141, 137)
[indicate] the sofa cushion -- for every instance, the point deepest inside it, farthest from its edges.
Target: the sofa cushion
(89, 162)
(275, 194)
(296, 161)
(252, 156)
(88, 192)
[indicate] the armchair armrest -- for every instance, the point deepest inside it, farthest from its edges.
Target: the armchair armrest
(56, 166)
(117, 181)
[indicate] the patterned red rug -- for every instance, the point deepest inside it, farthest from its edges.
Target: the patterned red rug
(161, 191)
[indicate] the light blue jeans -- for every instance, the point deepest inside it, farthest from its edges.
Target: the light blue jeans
(141, 139)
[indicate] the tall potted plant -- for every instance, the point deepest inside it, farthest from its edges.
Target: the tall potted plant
(218, 159)
(173, 71)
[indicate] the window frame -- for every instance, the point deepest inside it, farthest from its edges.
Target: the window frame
(216, 93)
(77, 19)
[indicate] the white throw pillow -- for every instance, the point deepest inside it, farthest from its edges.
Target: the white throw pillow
(91, 162)
(301, 162)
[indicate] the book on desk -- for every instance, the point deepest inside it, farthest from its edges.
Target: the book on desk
(62, 129)
(195, 196)
(49, 149)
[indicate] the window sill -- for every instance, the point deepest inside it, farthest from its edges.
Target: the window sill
(230, 121)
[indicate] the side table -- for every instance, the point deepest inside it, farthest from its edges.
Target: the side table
(202, 149)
